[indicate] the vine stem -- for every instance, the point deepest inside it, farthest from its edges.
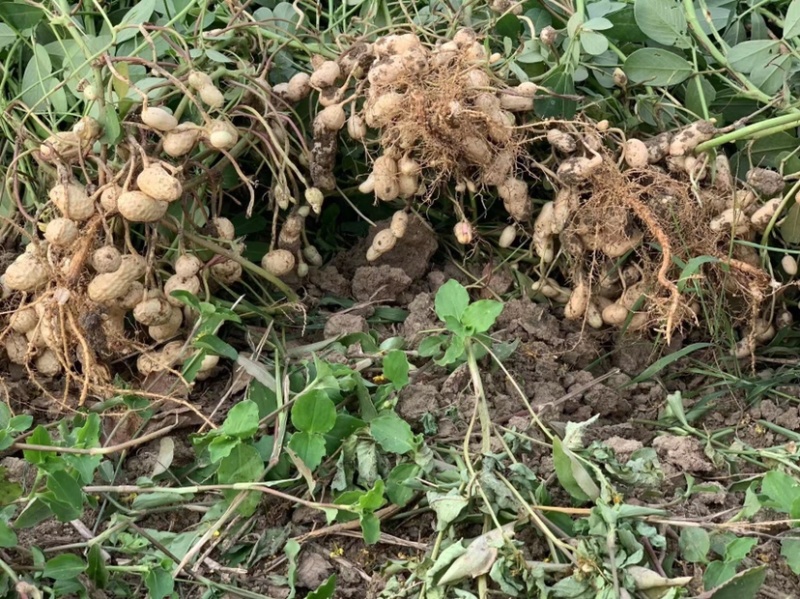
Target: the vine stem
(773, 125)
(697, 29)
(245, 263)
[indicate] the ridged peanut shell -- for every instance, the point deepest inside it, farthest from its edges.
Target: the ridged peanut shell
(61, 232)
(138, 207)
(72, 201)
(159, 184)
(27, 273)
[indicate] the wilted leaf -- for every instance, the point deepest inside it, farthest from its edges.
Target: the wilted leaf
(572, 475)
(446, 506)
(166, 452)
(479, 557)
(694, 544)
(646, 579)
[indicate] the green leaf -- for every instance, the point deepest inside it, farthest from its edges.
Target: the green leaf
(694, 544)
(752, 55)
(791, 22)
(662, 21)
(345, 426)
(372, 499)
(561, 81)
(8, 538)
(291, 549)
(221, 447)
(370, 528)
(325, 590)
(395, 368)
(40, 436)
(392, 433)
(455, 350)
(694, 101)
(572, 475)
(314, 412)
(88, 435)
(310, 447)
(717, 573)
(625, 27)
(36, 511)
(244, 464)
(451, 300)
(84, 465)
(772, 77)
(790, 551)
(431, 346)
(20, 16)
(65, 496)
(397, 488)
(744, 585)
(783, 490)
(64, 567)
(767, 151)
(160, 583)
(137, 15)
(653, 66)
(112, 131)
(146, 501)
(242, 420)
(738, 549)
(481, 315)
(216, 346)
(509, 25)
(9, 491)
(530, 53)
(662, 363)
(20, 423)
(40, 90)
(187, 298)
(286, 18)
(598, 24)
(97, 571)
(593, 43)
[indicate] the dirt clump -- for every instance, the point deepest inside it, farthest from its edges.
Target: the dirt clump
(681, 454)
(421, 317)
(416, 400)
(329, 280)
(313, 570)
(345, 324)
(413, 252)
(379, 283)
(622, 448)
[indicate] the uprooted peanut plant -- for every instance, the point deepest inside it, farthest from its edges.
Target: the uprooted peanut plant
(626, 215)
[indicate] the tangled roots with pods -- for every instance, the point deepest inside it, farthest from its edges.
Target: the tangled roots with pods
(644, 252)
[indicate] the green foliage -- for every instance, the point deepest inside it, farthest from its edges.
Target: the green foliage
(465, 322)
